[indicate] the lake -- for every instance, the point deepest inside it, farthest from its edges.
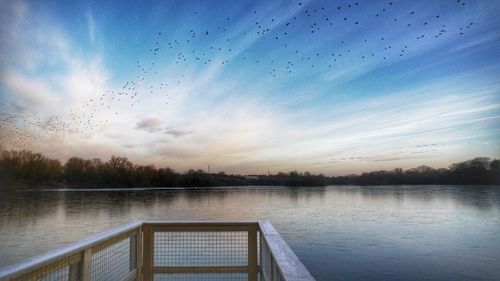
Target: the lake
(339, 232)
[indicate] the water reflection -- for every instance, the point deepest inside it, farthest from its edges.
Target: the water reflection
(340, 233)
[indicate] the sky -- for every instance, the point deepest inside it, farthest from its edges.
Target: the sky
(247, 87)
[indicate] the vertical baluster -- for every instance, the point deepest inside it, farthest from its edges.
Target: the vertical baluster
(271, 265)
(87, 255)
(133, 253)
(139, 254)
(252, 253)
(261, 268)
(75, 271)
(148, 252)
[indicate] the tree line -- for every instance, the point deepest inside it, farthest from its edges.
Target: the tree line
(477, 171)
(29, 169)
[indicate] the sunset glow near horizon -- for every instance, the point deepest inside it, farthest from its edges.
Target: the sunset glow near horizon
(329, 87)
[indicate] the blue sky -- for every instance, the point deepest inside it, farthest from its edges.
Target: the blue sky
(329, 87)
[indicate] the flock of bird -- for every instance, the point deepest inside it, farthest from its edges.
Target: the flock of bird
(291, 36)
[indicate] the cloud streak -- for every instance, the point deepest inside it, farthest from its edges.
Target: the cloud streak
(150, 125)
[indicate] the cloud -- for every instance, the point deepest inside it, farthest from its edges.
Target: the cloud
(31, 92)
(150, 125)
(84, 78)
(91, 26)
(177, 133)
(389, 159)
(178, 153)
(130, 146)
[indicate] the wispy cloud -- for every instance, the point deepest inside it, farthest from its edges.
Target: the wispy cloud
(31, 93)
(91, 26)
(150, 125)
(176, 132)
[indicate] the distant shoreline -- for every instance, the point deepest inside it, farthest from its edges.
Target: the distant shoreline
(28, 170)
(51, 188)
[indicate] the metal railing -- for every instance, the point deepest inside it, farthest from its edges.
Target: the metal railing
(202, 250)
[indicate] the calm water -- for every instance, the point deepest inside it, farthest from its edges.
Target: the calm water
(340, 233)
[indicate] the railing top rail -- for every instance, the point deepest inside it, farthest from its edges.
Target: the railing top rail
(201, 223)
(289, 265)
(50, 256)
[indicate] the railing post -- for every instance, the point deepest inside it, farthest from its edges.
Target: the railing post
(87, 255)
(252, 252)
(148, 252)
(139, 254)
